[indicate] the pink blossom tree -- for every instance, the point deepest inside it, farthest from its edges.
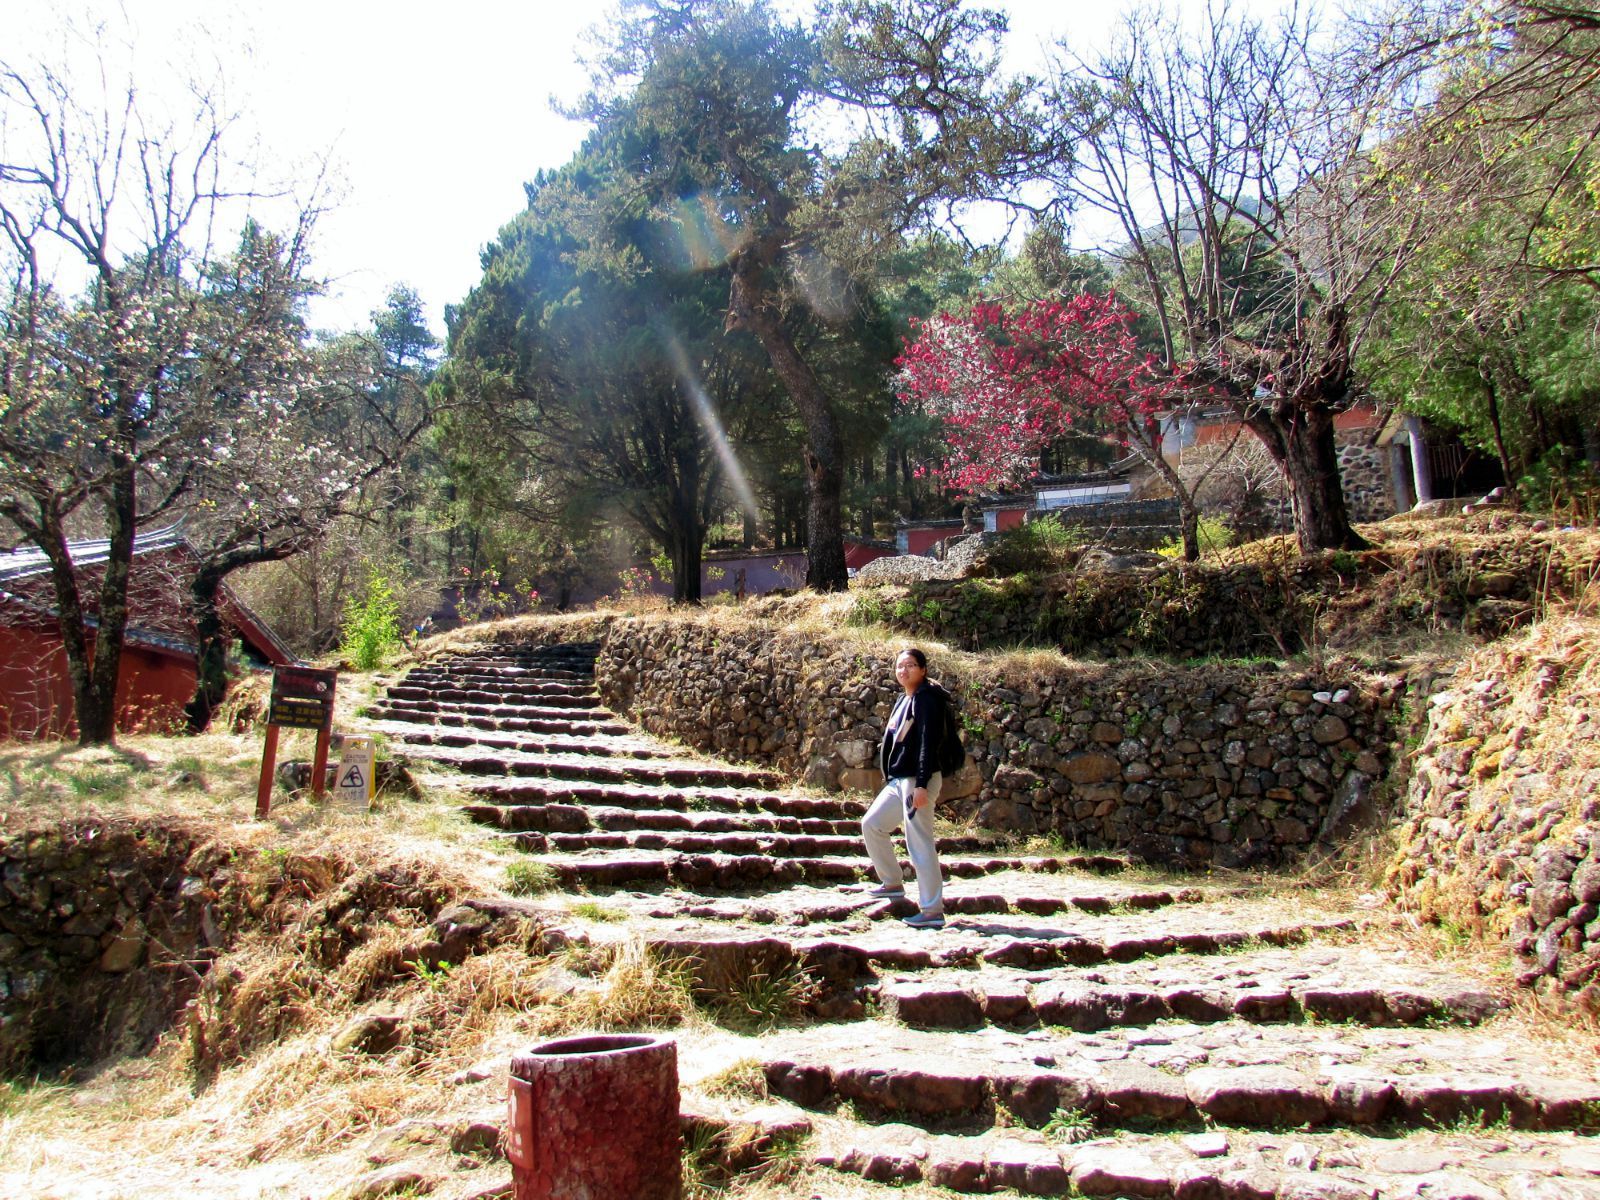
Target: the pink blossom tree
(1008, 382)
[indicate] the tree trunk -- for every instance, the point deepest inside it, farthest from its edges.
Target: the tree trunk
(752, 308)
(97, 704)
(1189, 528)
(868, 529)
(913, 505)
(1494, 425)
(51, 538)
(686, 557)
(211, 651)
(1300, 439)
(1148, 448)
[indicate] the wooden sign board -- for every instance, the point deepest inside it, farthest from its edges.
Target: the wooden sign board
(302, 698)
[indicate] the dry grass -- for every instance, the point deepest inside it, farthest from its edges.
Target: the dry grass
(743, 1080)
(631, 987)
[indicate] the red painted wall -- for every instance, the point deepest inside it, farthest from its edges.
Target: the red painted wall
(1359, 416)
(36, 691)
(1009, 518)
(920, 541)
(858, 555)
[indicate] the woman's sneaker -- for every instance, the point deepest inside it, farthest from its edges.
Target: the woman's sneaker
(925, 921)
(886, 891)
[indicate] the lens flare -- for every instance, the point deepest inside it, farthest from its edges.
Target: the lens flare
(707, 416)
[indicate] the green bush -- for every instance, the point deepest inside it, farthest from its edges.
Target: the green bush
(1036, 548)
(1563, 485)
(1213, 535)
(370, 631)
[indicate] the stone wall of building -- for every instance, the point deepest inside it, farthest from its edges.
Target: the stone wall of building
(1501, 836)
(1364, 471)
(1210, 765)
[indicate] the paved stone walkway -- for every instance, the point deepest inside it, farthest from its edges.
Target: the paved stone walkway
(1079, 1027)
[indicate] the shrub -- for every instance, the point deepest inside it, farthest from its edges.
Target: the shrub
(1036, 548)
(1213, 536)
(370, 631)
(1563, 485)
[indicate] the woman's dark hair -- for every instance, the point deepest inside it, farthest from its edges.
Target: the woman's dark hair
(918, 655)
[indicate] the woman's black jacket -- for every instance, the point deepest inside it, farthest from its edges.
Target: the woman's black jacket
(917, 754)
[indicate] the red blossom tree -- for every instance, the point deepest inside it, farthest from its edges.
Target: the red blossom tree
(1008, 382)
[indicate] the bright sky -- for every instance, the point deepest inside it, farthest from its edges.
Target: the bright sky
(433, 115)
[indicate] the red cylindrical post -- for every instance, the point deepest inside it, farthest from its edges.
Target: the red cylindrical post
(596, 1118)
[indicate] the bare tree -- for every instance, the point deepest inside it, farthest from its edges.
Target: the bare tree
(122, 351)
(1256, 226)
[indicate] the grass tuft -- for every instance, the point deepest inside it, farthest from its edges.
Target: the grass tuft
(1068, 1125)
(530, 878)
(744, 1080)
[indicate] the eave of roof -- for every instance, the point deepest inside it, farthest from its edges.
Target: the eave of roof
(25, 562)
(150, 639)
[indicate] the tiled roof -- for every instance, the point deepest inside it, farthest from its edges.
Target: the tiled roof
(30, 560)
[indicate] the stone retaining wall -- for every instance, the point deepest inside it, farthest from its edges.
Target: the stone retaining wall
(85, 905)
(1502, 834)
(1210, 765)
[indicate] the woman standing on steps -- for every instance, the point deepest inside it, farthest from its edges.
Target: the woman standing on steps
(909, 758)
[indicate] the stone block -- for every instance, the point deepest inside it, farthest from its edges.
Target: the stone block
(854, 752)
(860, 779)
(1091, 767)
(126, 950)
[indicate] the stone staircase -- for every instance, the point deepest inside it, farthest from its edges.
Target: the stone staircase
(1080, 1027)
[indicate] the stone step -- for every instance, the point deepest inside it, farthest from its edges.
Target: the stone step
(577, 666)
(819, 909)
(555, 743)
(515, 652)
(426, 711)
(580, 664)
(659, 771)
(471, 673)
(563, 695)
(1235, 1164)
(573, 818)
(489, 665)
(1229, 1074)
(777, 845)
(733, 872)
(577, 670)
(496, 700)
(509, 680)
(403, 712)
(848, 966)
(1271, 987)
(679, 798)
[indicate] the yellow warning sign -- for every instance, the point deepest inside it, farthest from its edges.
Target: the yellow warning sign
(352, 782)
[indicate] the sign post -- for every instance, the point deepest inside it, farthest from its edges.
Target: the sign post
(354, 780)
(302, 698)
